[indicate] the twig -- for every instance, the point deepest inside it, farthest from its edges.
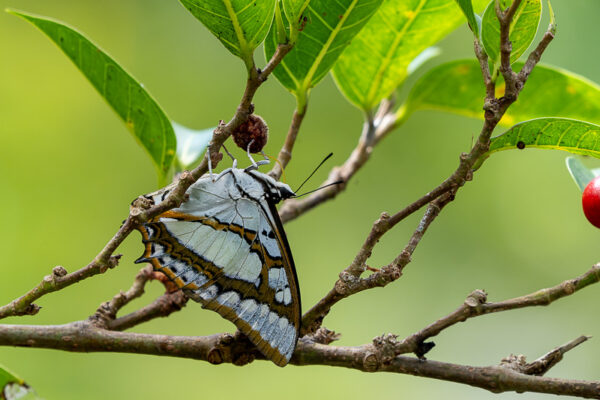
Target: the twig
(163, 306)
(476, 304)
(285, 154)
(543, 364)
(350, 282)
(506, 19)
(373, 132)
(495, 379)
(105, 315)
(490, 84)
(535, 55)
(141, 211)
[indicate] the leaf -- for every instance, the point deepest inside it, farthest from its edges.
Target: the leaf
(577, 137)
(422, 58)
(376, 61)
(522, 30)
(293, 11)
(191, 144)
(241, 25)
(473, 19)
(328, 29)
(580, 174)
(11, 386)
(552, 19)
(457, 87)
(142, 115)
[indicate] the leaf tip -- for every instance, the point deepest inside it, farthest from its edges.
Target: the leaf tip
(12, 11)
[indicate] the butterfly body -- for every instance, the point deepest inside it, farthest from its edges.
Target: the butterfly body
(226, 248)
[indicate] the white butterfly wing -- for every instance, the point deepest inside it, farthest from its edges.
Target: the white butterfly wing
(229, 252)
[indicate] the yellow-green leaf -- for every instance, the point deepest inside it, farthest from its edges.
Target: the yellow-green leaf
(577, 137)
(241, 25)
(327, 28)
(139, 111)
(522, 29)
(457, 87)
(376, 62)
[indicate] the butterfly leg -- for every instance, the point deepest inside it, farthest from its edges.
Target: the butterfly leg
(210, 171)
(228, 170)
(255, 164)
(234, 164)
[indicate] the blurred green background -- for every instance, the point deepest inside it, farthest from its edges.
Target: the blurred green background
(69, 170)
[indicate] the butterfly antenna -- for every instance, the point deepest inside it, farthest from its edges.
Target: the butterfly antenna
(322, 187)
(318, 166)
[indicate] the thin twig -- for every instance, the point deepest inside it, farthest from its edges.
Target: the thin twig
(163, 306)
(490, 84)
(293, 208)
(285, 154)
(543, 364)
(350, 282)
(476, 304)
(107, 312)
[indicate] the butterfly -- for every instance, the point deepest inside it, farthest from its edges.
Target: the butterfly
(226, 248)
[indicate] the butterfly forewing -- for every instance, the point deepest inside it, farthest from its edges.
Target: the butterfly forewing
(226, 248)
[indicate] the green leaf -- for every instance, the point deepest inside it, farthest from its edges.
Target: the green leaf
(11, 386)
(552, 19)
(522, 30)
(426, 55)
(241, 25)
(191, 144)
(577, 137)
(473, 19)
(142, 115)
(376, 61)
(293, 11)
(457, 87)
(580, 174)
(328, 29)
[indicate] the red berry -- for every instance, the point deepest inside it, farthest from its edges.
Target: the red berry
(591, 202)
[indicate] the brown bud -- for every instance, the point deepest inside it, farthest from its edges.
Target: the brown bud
(214, 356)
(59, 271)
(370, 363)
(254, 131)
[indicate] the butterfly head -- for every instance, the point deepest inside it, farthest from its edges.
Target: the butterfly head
(273, 190)
(284, 191)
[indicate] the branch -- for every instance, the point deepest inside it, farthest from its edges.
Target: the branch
(506, 19)
(482, 57)
(141, 211)
(285, 154)
(220, 348)
(174, 300)
(108, 310)
(373, 132)
(163, 306)
(349, 281)
(381, 355)
(475, 305)
(496, 379)
(543, 364)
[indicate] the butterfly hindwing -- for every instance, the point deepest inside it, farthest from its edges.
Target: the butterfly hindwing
(226, 248)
